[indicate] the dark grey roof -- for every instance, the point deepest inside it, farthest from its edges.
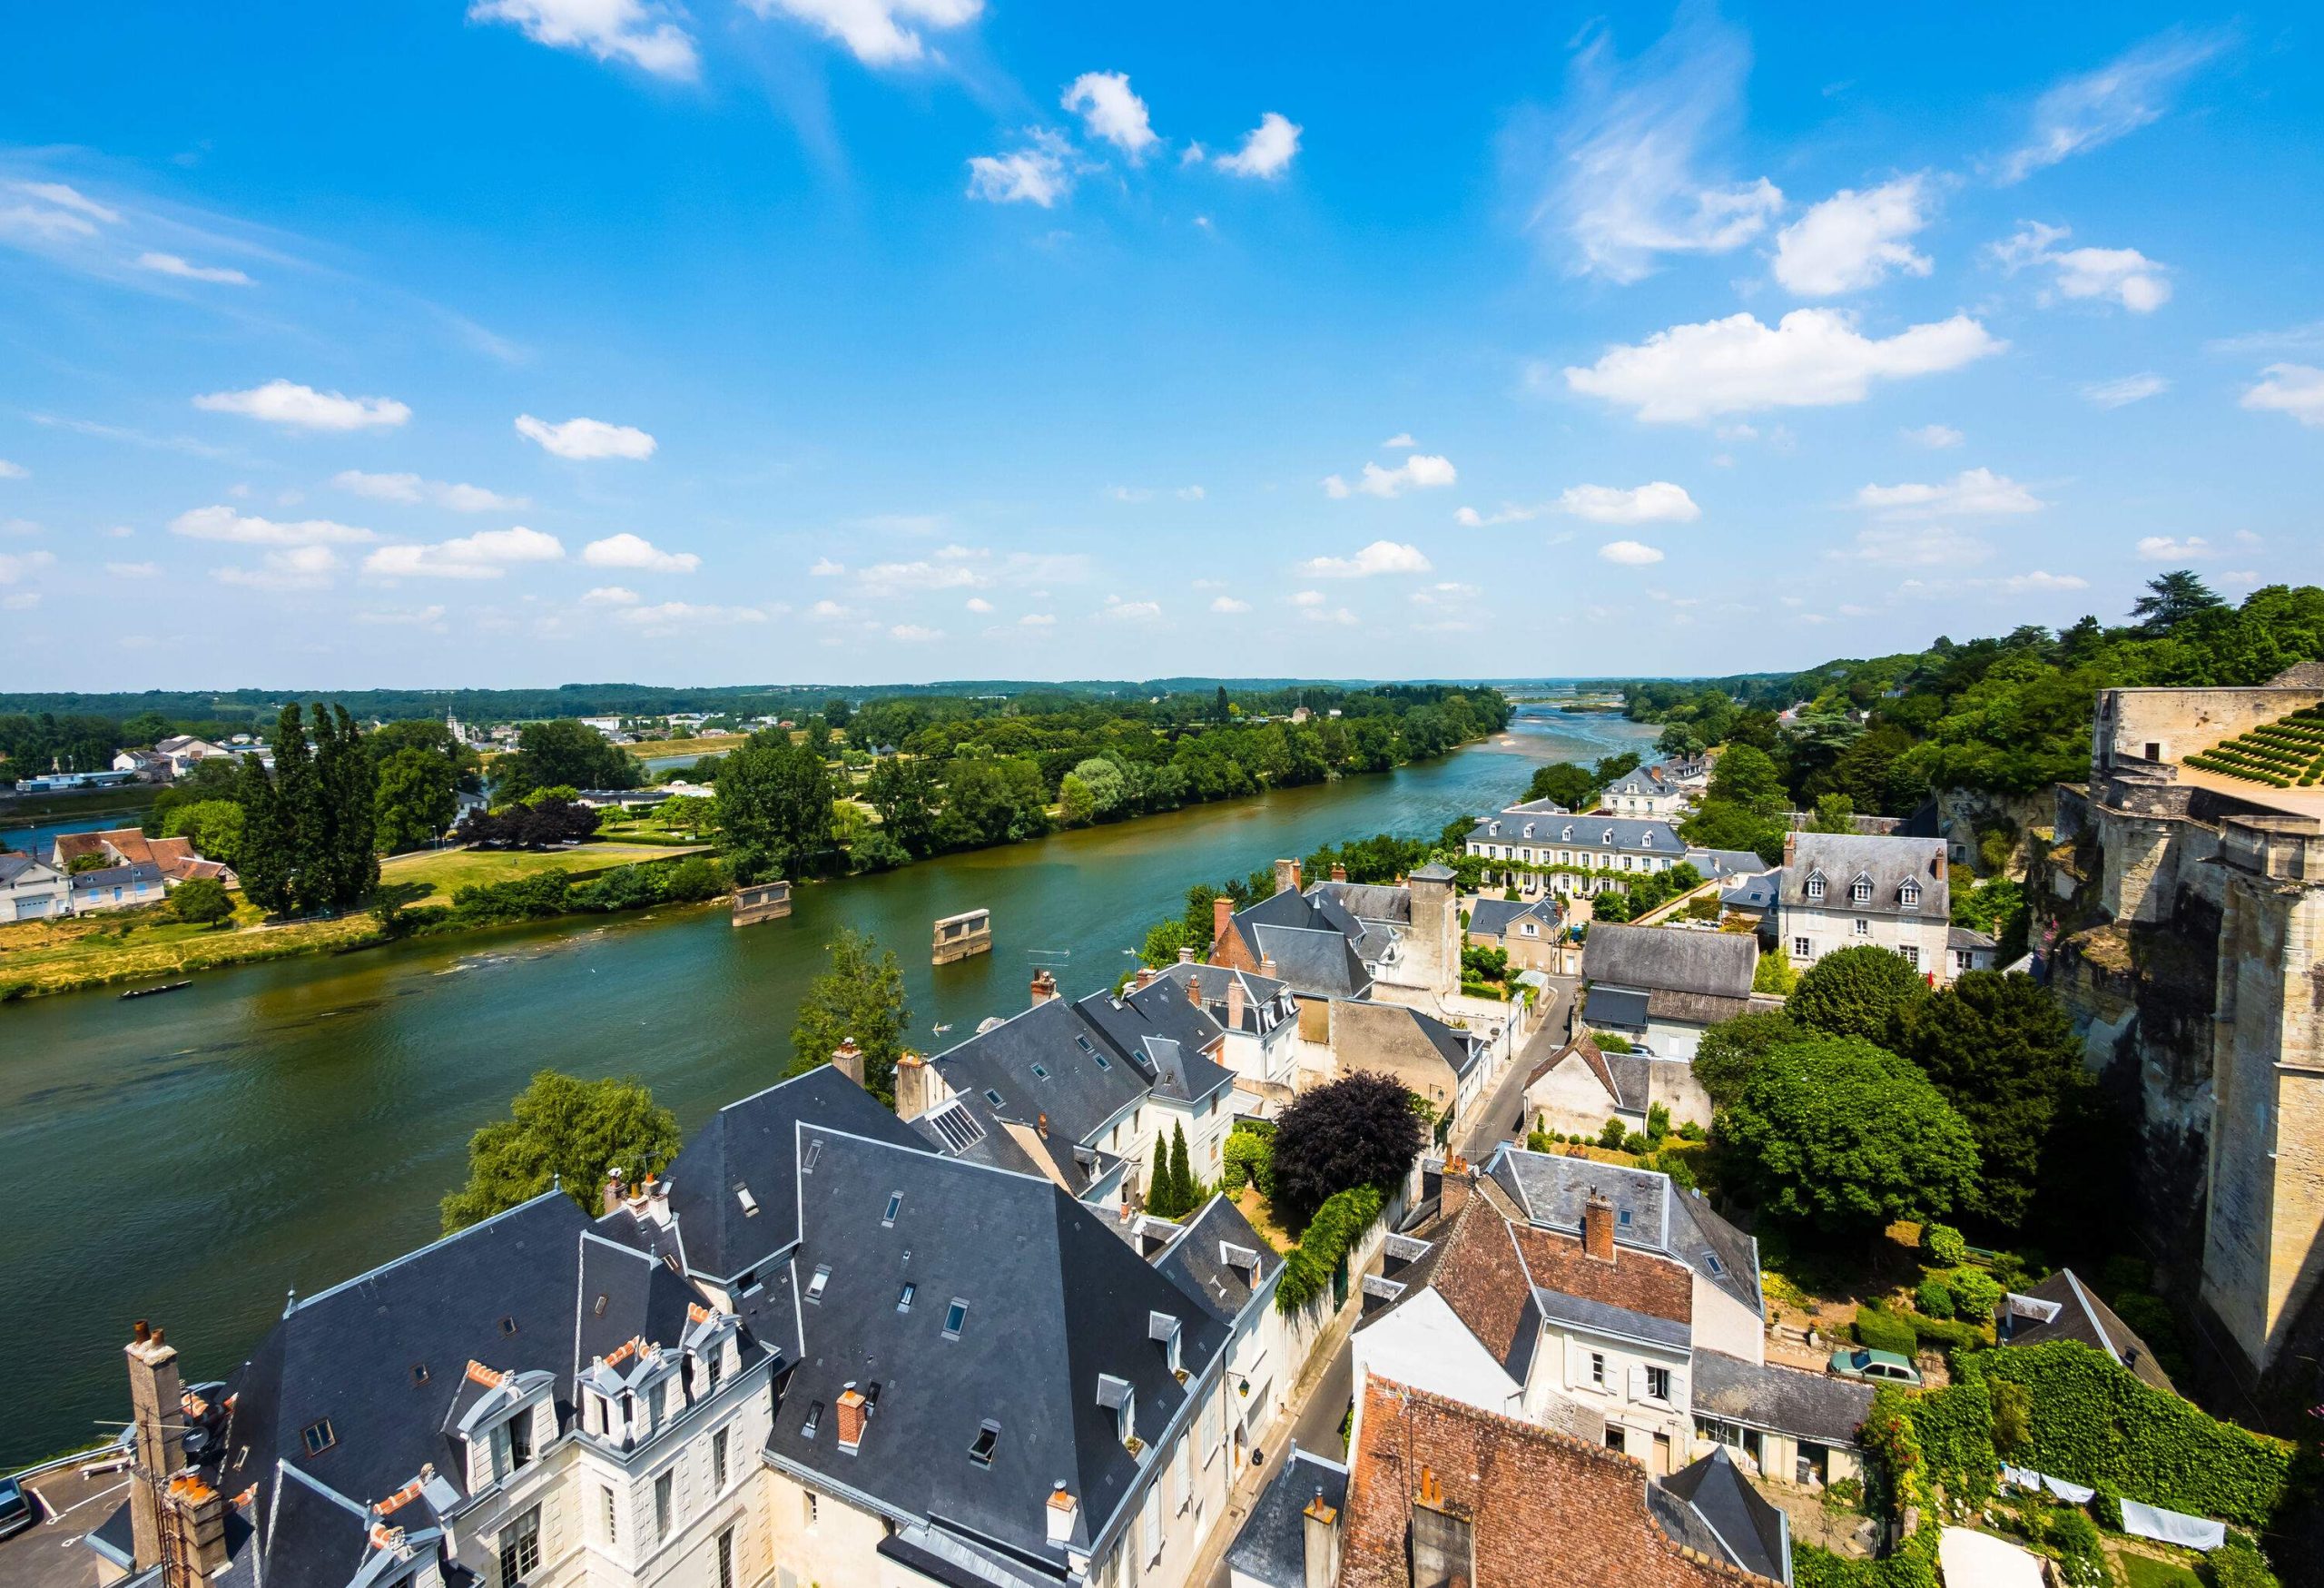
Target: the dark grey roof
(1054, 1299)
(1598, 1316)
(1669, 959)
(1161, 1032)
(13, 865)
(1785, 1400)
(1497, 917)
(1630, 834)
(1196, 1259)
(748, 1146)
(1967, 937)
(1752, 892)
(1369, 900)
(1272, 1547)
(1319, 963)
(1840, 858)
(2074, 1312)
(1615, 1006)
(1749, 1533)
(1551, 1188)
(136, 871)
(1726, 862)
(1266, 1001)
(1080, 1095)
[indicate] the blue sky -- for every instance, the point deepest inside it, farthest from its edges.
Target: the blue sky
(855, 340)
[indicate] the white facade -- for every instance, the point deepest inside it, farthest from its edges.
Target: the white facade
(1843, 914)
(35, 892)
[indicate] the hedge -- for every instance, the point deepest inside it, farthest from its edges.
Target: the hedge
(1338, 1225)
(1955, 1429)
(1883, 1330)
(2092, 1421)
(1899, 1469)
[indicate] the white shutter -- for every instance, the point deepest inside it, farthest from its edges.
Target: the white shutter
(1638, 1383)
(1574, 1365)
(1678, 1387)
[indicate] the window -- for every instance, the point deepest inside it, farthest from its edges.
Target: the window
(1860, 891)
(1909, 895)
(1598, 1369)
(895, 1206)
(317, 1436)
(508, 1326)
(726, 1559)
(1658, 1383)
(613, 1515)
(750, 1203)
(713, 1366)
(420, 1373)
(987, 1440)
(1710, 1261)
(1816, 887)
(520, 1440)
(816, 1286)
(814, 1511)
(520, 1548)
(1614, 1440)
(814, 1152)
(1863, 927)
(903, 1296)
(1912, 955)
(954, 1317)
(1079, 1042)
(1100, 1058)
(1801, 949)
(814, 1421)
(657, 1401)
(664, 1504)
(718, 1460)
(992, 1097)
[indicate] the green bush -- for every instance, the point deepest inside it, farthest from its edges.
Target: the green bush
(2237, 1563)
(1975, 1294)
(1954, 1427)
(1611, 1137)
(1883, 1330)
(1943, 1246)
(1933, 1299)
(2106, 1506)
(2081, 1559)
(1250, 1160)
(1338, 1225)
(1950, 1334)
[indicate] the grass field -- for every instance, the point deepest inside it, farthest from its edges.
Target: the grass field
(96, 951)
(2146, 1572)
(444, 870)
(706, 745)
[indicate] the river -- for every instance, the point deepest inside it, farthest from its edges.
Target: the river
(190, 1158)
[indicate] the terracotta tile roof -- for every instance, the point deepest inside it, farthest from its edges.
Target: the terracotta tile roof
(1635, 1281)
(71, 846)
(1544, 1510)
(1482, 1279)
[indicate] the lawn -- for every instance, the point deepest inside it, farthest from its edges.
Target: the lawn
(95, 951)
(706, 745)
(442, 871)
(2146, 1572)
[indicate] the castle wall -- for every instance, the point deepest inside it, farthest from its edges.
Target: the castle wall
(2179, 723)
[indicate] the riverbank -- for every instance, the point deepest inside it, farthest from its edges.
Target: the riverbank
(132, 800)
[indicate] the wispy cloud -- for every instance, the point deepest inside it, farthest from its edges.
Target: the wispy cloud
(2128, 390)
(302, 407)
(1381, 557)
(628, 31)
(2093, 109)
(1420, 471)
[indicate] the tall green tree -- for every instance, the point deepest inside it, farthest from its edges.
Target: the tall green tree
(346, 785)
(216, 827)
(563, 753)
(1747, 778)
(418, 794)
(267, 864)
(1567, 784)
(1856, 992)
(774, 806)
(563, 1130)
(1182, 1178)
(861, 995)
(2171, 599)
(1848, 1137)
(1162, 1189)
(904, 796)
(298, 808)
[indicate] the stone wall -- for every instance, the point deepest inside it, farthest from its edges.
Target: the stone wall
(2170, 724)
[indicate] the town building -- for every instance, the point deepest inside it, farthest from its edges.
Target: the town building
(117, 887)
(1446, 1064)
(1528, 930)
(30, 889)
(1586, 853)
(1340, 939)
(49, 782)
(1843, 890)
(1641, 793)
(1576, 1090)
(2061, 1307)
(176, 858)
(1661, 987)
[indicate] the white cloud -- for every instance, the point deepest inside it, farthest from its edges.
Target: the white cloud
(825, 568)
(1111, 111)
(634, 551)
(2170, 548)
(1123, 611)
(412, 487)
(1402, 441)
(134, 570)
(585, 439)
(70, 198)
(1507, 513)
(24, 601)
(486, 555)
(2124, 274)
(2039, 581)
(1381, 557)
(1657, 503)
(914, 634)
(1628, 155)
(1036, 620)
(1338, 615)
(1308, 598)
(1853, 240)
(611, 30)
(285, 402)
(2091, 110)
(1420, 471)
(169, 265)
(1812, 358)
(1974, 491)
(670, 617)
(297, 567)
(830, 611)
(610, 596)
(1229, 604)
(1630, 553)
(1266, 152)
(1190, 493)
(60, 214)
(416, 617)
(2297, 390)
(15, 564)
(2129, 389)
(13, 470)
(878, 32)
(1919, 546)
(1935, 438)
(978, 604)
(949, 570)
(1034, 174)
(225, 524)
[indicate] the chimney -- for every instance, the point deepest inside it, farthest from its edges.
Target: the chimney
(1790, 846)
(1063, 1510)
(915, 1085)
(1339, 873)
(1144, 979)
(1222, 917)
(196, 1514)
(156, 1398)
(615, 1191)
(848, 1059)
(852, 1417)
(1186, 956)
(1320, 1534)
(1233, 1002)
(1286, 876)
(1266, 966)
(1454, 1195)
(1044, 986)
(1194, 990)
(1938, 871)
(1041, 1123)
(656, 1195)
(1597, 1228)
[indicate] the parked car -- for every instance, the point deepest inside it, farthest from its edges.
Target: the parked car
(17, 1511)
(1874, 1367)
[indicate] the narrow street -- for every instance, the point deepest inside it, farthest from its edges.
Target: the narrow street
(1502, 1113)
(1314, 1426)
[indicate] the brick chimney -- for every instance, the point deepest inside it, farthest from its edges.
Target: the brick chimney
(1454, 1194)
(1339, 875)
(1044, 986)
(1937, 870)
(1144, 980)
(1597, 1228)
(196, 1514)
(1062, 1509)
(852, 1417)
(1233, 1002)
(1193, 991)
(1041, 1123)
(1266, 966)
(1286, 876)
(915, 1085)
(848, 1059)
(156, 1398)
(1790, 846)
(1222, 917)
(615, 1191)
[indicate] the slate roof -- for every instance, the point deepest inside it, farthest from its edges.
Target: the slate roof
(2075, 1313)
(1726, 862)
(14, 867)
(1080, 1095)
(1272, 1547)
(1616, 1006)
(1745, 1530)
(1664, 959)
(1968, 937)
(1161, 1032)
(1839, 858)
(1499, 917)
(1785, 1400)
(1752, 892)
(748, 1145)
(1266, 1001)
(1630, 834)
(1550, 1189)
(1198, 1259)
(142, 872)
(1053, 1300)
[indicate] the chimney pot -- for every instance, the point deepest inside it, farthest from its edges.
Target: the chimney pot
(848, 1059)
(851, 1417)
(1144, 978)
(1041, 1123)
(1186, 956)
(1222, 917)
(1062, 1510)
(1044, 986)
(142, 1332)
(1339, 874)
(1597, 1228)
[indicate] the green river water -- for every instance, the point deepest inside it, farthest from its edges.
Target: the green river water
(189, 1159)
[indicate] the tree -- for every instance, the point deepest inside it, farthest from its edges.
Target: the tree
(346, 857)
(2170, 599)
(1774, 974)
(1219, 710)
(688, 813)
(1835, 812)
(267, 859)
(1747, 778)
(2002, 1051)
(1075, 805)
(774, 805)
(216, 827)
(418, 794)
(544, 823)
(563, 1130)
(1183, 1190)
(568, 753)
(1358, 1130)
(1164, 939)
(1569, 786)
(1162, 1189)
(202, 901)
(1856, 992)
(1105, 782)
(861, 995)
(904, 797)
(1731, 1051)
(1838, 1133)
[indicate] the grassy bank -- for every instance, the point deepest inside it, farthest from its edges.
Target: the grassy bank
(442, 871)
(131, 800)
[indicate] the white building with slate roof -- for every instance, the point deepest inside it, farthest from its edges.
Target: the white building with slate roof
(1542, 834)
(1841, 891)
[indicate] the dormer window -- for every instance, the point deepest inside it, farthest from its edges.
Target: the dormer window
(1909, 895)
(816, 1286)
(1860, 891)
(1816, 886)
(1117, 1396)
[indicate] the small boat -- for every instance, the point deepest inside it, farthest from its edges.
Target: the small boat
(164, 987)
(940, 1030)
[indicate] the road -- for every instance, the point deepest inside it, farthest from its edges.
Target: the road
(1504, 1112)
(52, 1554)
(1314, 1427)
